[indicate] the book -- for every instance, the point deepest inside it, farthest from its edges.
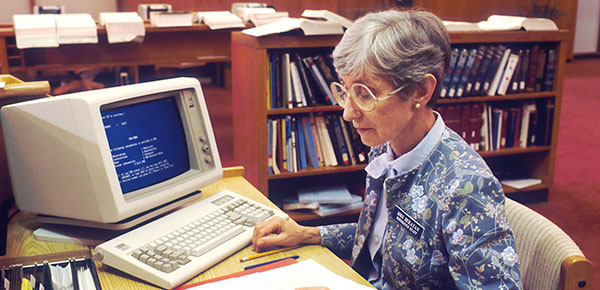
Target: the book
(270, 146)
(541, 69)
(311, 147)
(475, 71)
(524, 71)
(532, 69)
(457, 73)
(340, 140)
(327, 15)
(464, 77)
(245, 12)
(325, 141)
(454, 54)
(476, 125)
(507, 75)
(526, 115)
(325, 194)
(361, 151)
(301, 144)
(483, 70)
(331, 209)
(548, 82)
(338, 149)
(509, 22)
(286, 81)
(498, 74)
(316, 137)
(306, 80)
(465, 115)
(452, 116)
(326, 94)
(299, 96)
(513, 86)
(259, 19)
(219, 19)
(344, 130)
(308, 27)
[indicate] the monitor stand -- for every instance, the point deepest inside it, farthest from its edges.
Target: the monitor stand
(90, 233)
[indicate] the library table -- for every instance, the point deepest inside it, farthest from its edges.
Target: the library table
(169, 46)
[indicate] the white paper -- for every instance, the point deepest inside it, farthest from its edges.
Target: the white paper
(309, 27)
(76, 28)
(171, 19)
(123, 26)
(302, 274)
(328, 15)
(35, 30)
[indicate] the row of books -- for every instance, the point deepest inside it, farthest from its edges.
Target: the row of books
(492, 127)
(312, 141)
(297, 80)
(490, 70)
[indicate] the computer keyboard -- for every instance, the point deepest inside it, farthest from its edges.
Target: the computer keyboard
(175, 248)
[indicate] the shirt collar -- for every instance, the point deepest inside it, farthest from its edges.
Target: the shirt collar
(386, 164)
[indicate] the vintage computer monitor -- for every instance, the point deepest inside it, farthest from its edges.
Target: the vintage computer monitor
(111, 158)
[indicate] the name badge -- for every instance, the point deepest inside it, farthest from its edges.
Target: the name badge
(410, 224)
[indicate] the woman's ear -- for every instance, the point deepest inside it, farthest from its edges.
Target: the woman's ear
(426, 89)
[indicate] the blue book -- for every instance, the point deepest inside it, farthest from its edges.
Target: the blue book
(457, 74)
(301, 144)
(310, 143)
(446, 81)
(464, 77)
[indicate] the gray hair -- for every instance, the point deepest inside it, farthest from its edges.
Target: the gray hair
(399, 46)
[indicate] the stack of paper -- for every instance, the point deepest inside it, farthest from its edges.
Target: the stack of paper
(219, 19)
(123, 26)
(327, 15)
(76, 28)
(35, 30)
(172, 19)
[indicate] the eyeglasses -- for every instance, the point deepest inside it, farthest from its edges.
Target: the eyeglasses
(362, 95)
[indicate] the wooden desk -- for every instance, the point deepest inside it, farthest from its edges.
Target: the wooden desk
(173, 46)
(21, 243)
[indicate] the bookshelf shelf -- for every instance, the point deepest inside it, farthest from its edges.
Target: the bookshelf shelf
(318, 171)
(528, 96)
(250, 68)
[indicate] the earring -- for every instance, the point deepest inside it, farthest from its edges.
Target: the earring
(417, 106)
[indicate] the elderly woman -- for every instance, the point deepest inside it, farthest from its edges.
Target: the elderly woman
(433, 212)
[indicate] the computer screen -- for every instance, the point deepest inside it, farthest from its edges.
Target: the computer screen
(111, 158)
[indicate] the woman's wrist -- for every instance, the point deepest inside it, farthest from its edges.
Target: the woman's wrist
(312, 235)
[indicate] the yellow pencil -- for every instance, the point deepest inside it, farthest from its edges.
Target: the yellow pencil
(247, 258)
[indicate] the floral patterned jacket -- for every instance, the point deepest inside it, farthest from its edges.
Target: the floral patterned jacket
(446, 226)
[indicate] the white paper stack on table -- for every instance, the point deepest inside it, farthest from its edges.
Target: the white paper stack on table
(123, 26)
(76, 28)
(328, 23)
(35, 30)
(219, 19)
(172, 19)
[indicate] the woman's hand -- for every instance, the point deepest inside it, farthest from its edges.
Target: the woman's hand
(286, 233)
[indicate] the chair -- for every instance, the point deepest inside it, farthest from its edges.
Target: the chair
(548, 257)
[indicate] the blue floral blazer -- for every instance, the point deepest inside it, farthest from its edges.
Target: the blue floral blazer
(446, 226)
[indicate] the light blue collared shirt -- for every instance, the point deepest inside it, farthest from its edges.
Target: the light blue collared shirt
(385, 164)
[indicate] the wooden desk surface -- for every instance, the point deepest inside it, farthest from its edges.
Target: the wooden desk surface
(21, 243)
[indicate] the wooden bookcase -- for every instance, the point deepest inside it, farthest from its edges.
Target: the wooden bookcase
(250, 60)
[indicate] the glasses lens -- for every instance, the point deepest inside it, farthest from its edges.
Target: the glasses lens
(339, 93)
(363, 96)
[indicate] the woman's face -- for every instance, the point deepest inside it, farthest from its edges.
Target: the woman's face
(391, 120)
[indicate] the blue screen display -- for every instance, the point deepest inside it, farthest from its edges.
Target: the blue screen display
(147, 142)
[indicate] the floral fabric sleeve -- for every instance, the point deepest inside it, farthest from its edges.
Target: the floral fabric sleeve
(481, 248)
(338, 238)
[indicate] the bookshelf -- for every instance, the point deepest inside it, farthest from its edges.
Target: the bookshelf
(250, 61)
